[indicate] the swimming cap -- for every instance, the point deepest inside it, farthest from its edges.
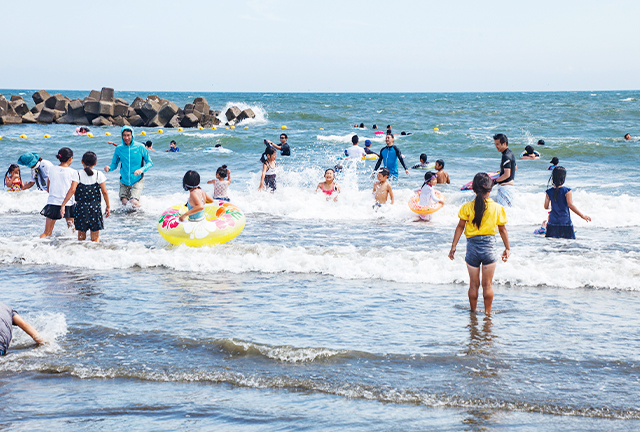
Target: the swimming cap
(29, 159)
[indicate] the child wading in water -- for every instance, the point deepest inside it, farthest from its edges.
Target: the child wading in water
(12, 179)
(382, 189)
(87, 188)
(58, 184)
(268, 177)
(197, 197)
(329, 186)
(220, 185)
(480, 219)
(561, 200)
(427, 193)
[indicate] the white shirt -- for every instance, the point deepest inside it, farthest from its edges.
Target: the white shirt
(44, 167)
(428, 195)
(355, 152)
(60, 179)
(98, 177)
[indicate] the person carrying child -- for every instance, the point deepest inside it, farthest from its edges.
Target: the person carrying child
(427, 193)
(86, 189)
(268, 176)
(197, 197)
(12, 179)
(9, 318)
(382, 189)
(560, 199)
(441, 174)
(479, 220)
(60, 179)
(220, 185)
(329, 187)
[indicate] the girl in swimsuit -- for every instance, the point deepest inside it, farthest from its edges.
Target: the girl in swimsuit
(329, 186)
(197, 197)
(268, 177)
(12, 179)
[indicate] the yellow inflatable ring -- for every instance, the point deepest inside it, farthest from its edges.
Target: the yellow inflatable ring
(414, 204)
(370, 156)
(223, 222)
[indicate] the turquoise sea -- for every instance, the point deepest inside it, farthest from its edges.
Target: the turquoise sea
(331, 316)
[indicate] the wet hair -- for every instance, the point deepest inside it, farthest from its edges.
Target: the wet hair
(502, 138)
(148, 144)
(374, 127)
(218, 145)
(11, 168)
(384, 172)
(423, 157)
(555, 160)
(627, 135)
(267, 152)
(284, 135)
(540, 142)
(222, 171)
(64, 154)
(173, 142)
(89, 159)
(440, 162)
(403, 133)
(191, 180)
(558, 176)
(427, 177)
(482, 184)
(388, 126)
(354, 139)
(361, 125)
(330, 169)
(529, 150)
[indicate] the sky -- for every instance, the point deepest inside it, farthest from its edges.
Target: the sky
(321, 46)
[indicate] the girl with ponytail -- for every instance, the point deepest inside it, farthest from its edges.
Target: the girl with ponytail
(480, 219)
(560, 199)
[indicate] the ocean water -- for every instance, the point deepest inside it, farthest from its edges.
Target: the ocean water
(324, 315)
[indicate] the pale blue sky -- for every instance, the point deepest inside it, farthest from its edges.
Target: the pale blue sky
(324, 46)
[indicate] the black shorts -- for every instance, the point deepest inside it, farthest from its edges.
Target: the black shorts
(53, 211)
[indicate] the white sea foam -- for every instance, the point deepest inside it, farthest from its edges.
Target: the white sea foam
(262, 117)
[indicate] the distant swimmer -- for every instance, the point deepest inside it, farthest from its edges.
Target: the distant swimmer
(329, 187)
(403, 133)
(541, 142)
(529, 153)
(389, 157)
(480, 219)
(82, 130)
(389, 131)
(173, 147)
(284, 148)
(627, 136)
(423, 162)
(508, 170)
(554, 162)
(149, 146)
(382, 189)
(362, 126)
(9, 318)
(374, 127)
(355, 151)
(441, 174)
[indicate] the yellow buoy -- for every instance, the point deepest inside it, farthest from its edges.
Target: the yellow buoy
(246, 127)
(23, 136)
(284, 127)
(436, 129)
(232, 127)
(160, 131)
(200, 128)
(143, 133)
(0, 137)
(180, 129)
(90, 134)
(47, 136)
(213, 127)
(321, 128)
(107, 134)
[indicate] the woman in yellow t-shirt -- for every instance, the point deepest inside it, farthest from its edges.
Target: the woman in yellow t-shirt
(480, 219)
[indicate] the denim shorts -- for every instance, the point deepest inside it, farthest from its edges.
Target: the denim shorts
(481, 250)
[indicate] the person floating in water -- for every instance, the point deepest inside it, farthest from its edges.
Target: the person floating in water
(389, 156)
(423, 162)
(480, 219)
(627, 136)
(529, 153)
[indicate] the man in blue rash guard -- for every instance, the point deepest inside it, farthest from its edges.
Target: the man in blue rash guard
(134, 161)
(390, 155)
